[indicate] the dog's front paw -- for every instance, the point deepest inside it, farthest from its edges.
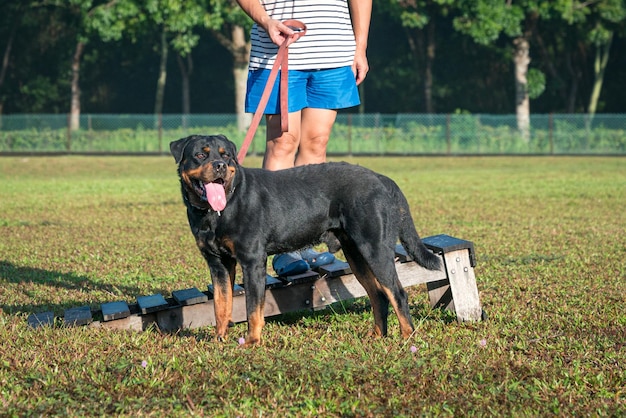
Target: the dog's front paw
(375, 333)
(249, 342)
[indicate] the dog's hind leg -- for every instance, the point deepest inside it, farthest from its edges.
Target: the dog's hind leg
(373, 264)
(383, 268)
(400, 302)
(378, 298)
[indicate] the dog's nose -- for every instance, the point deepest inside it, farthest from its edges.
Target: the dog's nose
(219, 167)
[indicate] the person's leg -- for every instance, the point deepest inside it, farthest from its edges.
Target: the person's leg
(309, 130)
(315, 129)
(281, 147)
(280, 152)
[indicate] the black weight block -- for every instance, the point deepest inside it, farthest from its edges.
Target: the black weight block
(151, 303)
(237, 290)
(273, 282)
(445, 244)
(41, 319)
(189, 296)
(335, 269)
(306, 277)
(115, 310)
(78, 316)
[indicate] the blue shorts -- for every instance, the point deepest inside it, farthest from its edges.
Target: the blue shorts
(333, 88)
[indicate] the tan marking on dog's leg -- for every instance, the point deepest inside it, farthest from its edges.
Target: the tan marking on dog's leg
(406, 326)
(255, 324)
(231, 274)
(223, 304)
(366, 278)
(379, 327)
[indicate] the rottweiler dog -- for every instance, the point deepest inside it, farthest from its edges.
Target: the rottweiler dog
(242, 215)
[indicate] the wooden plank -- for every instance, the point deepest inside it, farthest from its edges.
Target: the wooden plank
(411, 274)
(151, 303)
(187, 316)
(134, 322)
(330, 290)
(323, 291)
(78, 316)
(453, 287)
(41, 319)
(463, 286)
(115, 310)
(288, 299)
(440, 295)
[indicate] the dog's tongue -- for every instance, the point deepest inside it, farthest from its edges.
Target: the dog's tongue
(216, 196)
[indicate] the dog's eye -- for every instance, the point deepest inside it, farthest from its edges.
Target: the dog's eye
(201, 156)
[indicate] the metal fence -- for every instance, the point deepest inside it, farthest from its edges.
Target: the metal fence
(356, 134)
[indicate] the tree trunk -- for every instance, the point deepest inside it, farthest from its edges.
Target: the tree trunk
(5, 64)
(186, 68)
(522, 101)
(601, 61)
(160, 91)
(428, 71)
(75, 100)
(185, 71)
(575, 76)
(5, 61)
(241, 51)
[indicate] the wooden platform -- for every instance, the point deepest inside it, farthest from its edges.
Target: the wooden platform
(454, 288)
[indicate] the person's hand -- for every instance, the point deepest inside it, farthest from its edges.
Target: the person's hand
(360, 67)
(277, 31)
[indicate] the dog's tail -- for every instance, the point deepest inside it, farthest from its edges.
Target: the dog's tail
(409, 238)
(414, 246)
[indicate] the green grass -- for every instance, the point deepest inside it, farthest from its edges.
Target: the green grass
(549, 238)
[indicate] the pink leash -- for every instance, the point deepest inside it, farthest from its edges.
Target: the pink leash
(280, 63)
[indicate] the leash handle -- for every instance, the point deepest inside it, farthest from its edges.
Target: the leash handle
(280, 63)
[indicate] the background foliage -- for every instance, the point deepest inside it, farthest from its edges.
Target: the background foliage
(426, 56)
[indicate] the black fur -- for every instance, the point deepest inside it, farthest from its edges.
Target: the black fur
(269, 212)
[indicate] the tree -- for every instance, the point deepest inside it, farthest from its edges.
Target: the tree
(177, 21)
(230, 25)
(609, 16)
(418, 19)
(485, 21)
(86, 20)
(12, 13)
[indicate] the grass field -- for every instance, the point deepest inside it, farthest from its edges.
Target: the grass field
(550, 245)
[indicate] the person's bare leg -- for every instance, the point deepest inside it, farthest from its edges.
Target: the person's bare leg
(316, 126)
(281, 147)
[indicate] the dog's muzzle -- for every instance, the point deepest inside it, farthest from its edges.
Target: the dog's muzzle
(214, 190)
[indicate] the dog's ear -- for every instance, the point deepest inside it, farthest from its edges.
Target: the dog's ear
(177, 148)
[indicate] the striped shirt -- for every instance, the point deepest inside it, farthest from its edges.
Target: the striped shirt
(328, 43)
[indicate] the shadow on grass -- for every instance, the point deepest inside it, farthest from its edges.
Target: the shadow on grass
(10, 273)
